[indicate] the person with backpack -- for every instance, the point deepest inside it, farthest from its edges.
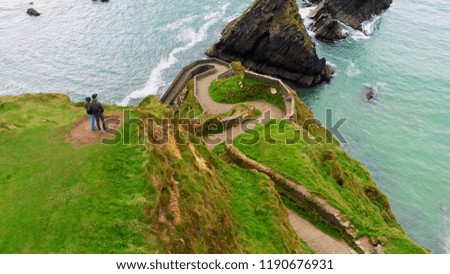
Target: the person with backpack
(86, 105)
(95, 108)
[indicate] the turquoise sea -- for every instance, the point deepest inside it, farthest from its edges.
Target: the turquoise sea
(125, 50)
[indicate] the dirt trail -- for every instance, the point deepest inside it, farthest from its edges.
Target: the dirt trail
(81, 133)
(319, 241)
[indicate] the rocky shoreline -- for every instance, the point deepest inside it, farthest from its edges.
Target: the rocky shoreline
(330, 14)
(270, 38)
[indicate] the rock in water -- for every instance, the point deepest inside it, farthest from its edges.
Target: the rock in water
(328, 29)
(351, 12)
(370, 94)
(270, 38)
(32, 12)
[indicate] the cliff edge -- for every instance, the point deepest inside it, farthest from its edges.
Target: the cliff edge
(270, 38)
(353, 13)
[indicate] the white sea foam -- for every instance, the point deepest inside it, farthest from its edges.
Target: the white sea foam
(331, 64)
(352, 70)
(359, 35)
(369, 25)
(231, 18)
(307, 21)
(334, 66)
(379, 86)
(368, 28)
(305, 11)
(191, 38)
(179, 23)
(447, 244)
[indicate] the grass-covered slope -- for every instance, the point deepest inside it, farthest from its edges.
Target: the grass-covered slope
(190, 107)
(213, 207)
(205, 205)
(329, 172)
(57, 198)
(240, 89)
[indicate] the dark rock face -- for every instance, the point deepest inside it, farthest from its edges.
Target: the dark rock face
(370, 94)
(351, 12)
(270, 38)
(32, 12)
(327, 29)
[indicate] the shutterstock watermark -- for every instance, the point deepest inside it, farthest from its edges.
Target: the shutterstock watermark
(215, 130)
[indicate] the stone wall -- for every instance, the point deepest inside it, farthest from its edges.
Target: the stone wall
(174, 93)
(183, 77)
(309, 202)
(201, 76)
(226, 74)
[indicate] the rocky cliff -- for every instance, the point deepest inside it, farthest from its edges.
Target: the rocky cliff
(270, 38)
(350, 12)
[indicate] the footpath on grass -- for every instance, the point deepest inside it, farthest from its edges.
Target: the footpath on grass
(269, 111)
(81, 133)
(319, 241)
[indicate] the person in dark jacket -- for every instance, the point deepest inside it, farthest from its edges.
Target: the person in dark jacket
(96, 108)
(86, 105)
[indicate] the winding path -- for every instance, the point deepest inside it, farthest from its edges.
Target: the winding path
(319, 241)
(269, 111)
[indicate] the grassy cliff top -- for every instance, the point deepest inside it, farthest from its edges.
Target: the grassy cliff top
(329, 172)
(134, 198)
(177, 197)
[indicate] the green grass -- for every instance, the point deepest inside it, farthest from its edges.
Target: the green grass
(239, 109)
(330, 173)
(244, 111)
(229, 91)
(58, 199)
(260, 214)
(261, 218)
(224, 209)
(320, 225)
(237, 68)
(190, 107)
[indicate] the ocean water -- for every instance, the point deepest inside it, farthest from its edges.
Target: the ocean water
(125, 50)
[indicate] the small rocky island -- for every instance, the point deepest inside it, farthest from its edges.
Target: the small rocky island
(329, 13)
(32, 12)
(270, 38)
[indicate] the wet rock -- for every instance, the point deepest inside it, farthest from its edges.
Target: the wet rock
(32, 12)
(370, 94)
(351, 12)
(270, 38)
(378, 250)
(327, 29)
